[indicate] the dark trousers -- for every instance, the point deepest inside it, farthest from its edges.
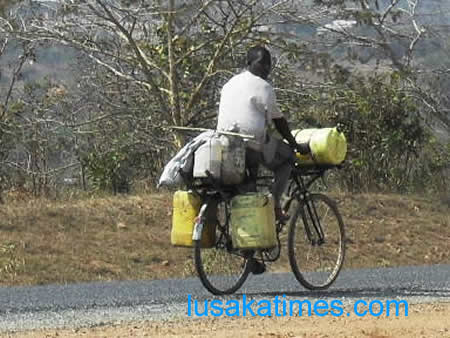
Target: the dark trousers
(275, 156)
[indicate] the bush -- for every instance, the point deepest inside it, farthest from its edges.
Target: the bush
(390, 149)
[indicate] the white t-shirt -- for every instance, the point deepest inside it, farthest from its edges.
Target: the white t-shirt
(247, 105)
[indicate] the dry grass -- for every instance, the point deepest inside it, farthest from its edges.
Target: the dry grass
(385, 230)
(389, 230)
(108, 238)
(93, 239)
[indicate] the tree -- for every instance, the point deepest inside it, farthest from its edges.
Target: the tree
(145, 66)
(174, 52)
(165, 61)
(383, 35)
(10, 78)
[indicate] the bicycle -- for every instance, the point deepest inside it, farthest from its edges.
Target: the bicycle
(223, 269)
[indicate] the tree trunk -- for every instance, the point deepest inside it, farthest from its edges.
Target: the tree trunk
(174, 97)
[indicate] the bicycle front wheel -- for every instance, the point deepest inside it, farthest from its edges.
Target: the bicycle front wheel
(316, 244)
(221, 269)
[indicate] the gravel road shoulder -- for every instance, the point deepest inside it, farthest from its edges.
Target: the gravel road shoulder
(423, 320)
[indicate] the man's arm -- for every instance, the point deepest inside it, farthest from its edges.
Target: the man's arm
(281, 124)
(283, 128)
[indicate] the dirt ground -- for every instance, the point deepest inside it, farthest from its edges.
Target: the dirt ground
(423, 320)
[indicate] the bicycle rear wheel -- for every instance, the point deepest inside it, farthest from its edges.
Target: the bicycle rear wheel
(221, 269)
(316, 244)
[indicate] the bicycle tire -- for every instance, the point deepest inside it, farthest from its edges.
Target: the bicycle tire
(309, 278)
(230, 275)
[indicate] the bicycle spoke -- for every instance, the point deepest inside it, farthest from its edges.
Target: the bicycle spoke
(221, 269)
(315, 263)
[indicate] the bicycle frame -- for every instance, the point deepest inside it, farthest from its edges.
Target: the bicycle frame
(212, 192)
(301, 193)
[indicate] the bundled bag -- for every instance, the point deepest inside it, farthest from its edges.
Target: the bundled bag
(328, 145)
(181, 165)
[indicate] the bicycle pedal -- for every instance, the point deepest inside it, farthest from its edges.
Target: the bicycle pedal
(257, 267)
(282, 219)
(271, 255)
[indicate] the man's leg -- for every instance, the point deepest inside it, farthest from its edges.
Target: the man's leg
(252, 161)
(281, 167)
(281, 179)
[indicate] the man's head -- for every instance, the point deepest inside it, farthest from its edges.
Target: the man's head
(259, 61)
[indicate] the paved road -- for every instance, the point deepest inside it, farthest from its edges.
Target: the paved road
(89, 304)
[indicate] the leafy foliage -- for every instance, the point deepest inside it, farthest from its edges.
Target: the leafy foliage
(388, 141)
(384, 130)
(142, 67)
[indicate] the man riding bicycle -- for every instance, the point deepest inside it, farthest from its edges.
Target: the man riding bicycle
(248, 105)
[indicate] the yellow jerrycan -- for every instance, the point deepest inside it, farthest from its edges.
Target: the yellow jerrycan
(328, 145)
(186, 206)
(253, 221)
